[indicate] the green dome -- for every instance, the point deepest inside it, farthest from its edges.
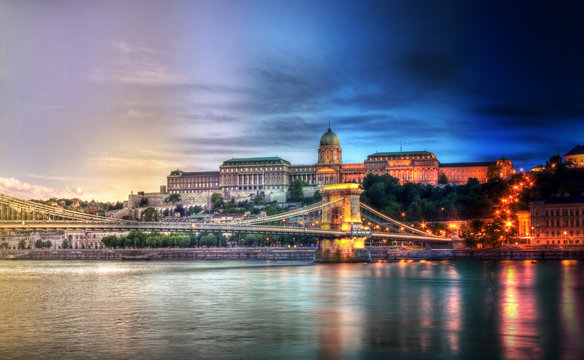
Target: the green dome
(330, 138)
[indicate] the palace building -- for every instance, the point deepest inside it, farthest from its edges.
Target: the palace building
(240, 178)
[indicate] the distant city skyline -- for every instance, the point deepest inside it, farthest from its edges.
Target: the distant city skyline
(98, 99)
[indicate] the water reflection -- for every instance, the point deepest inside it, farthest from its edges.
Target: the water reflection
(572, 310)
(450, 310)
(519, 313)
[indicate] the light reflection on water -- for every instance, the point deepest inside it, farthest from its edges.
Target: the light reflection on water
(185, 310)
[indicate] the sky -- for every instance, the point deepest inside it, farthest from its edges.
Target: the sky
(101, 98)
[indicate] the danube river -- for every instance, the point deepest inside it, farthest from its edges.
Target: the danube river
(259, 310)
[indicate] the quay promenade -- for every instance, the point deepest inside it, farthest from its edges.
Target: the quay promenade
(378, 253)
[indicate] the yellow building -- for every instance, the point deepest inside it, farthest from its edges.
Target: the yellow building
(575, 157)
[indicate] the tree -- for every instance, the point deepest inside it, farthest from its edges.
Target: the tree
(22, 244)
(295, 191)
(493, 172)
(250, 240)
(40, 244)
(149, 214)
(209, 240)
(554, 163)
(194, 210)
(136, 239)
(109, 241)
(180, 209)
(143, 202)
(442, 179)
(217, 200)
(173, 198)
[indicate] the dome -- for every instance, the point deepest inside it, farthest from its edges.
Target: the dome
(330, 138)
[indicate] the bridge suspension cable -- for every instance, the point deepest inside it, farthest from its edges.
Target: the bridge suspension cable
(289, 214)
(394, 223)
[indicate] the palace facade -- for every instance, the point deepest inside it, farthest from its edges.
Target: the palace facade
(271, 176)
(558, 220)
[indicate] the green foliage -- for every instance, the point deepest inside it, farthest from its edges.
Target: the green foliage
(194, 210)
(149, 215)
(561, 181)
(316, 197)
(66, 244)
(296, 191)
(22, 244)
(4, 245)
(250, 240)
(109, 241)
(259, 199)
(137, 239)
(238, 208)
(275, 209)
(421, 202)
(442, 179)
(143, 202)
(209, 240)
(40, 244)
(173, 198)
(217, 200)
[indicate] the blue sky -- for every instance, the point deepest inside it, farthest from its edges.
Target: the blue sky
(98, 98)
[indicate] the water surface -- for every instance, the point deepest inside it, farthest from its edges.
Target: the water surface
(261, 310)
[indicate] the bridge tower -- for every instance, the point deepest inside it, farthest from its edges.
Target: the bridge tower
(345, 216)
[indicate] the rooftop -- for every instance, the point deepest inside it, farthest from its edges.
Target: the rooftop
(559, 199)
(178, 172)
(467, 164)
(257, 160)
(399, 153)
(578, 150)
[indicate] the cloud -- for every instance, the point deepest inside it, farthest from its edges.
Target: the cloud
(17, 188)
(532, 114)
(133, 65)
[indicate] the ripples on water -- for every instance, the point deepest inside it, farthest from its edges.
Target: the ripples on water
(255, 310)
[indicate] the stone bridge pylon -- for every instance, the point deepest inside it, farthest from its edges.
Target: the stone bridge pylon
(345, 215)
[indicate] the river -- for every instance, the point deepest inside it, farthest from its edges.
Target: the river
(291, 310)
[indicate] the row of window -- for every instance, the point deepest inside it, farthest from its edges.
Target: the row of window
(464, 171)
(560, 233)
(240, 169)
(192, 186)
(402, 157)
(192, 179)
(564, 212)
(558, 223)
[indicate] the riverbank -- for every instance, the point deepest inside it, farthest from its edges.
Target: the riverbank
(292, 254)
(378, 253)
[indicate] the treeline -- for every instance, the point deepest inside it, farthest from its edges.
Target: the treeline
(137, 239)
(554, 180)
(421, 202)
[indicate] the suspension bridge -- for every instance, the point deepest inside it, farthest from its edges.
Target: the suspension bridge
(340, 228)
